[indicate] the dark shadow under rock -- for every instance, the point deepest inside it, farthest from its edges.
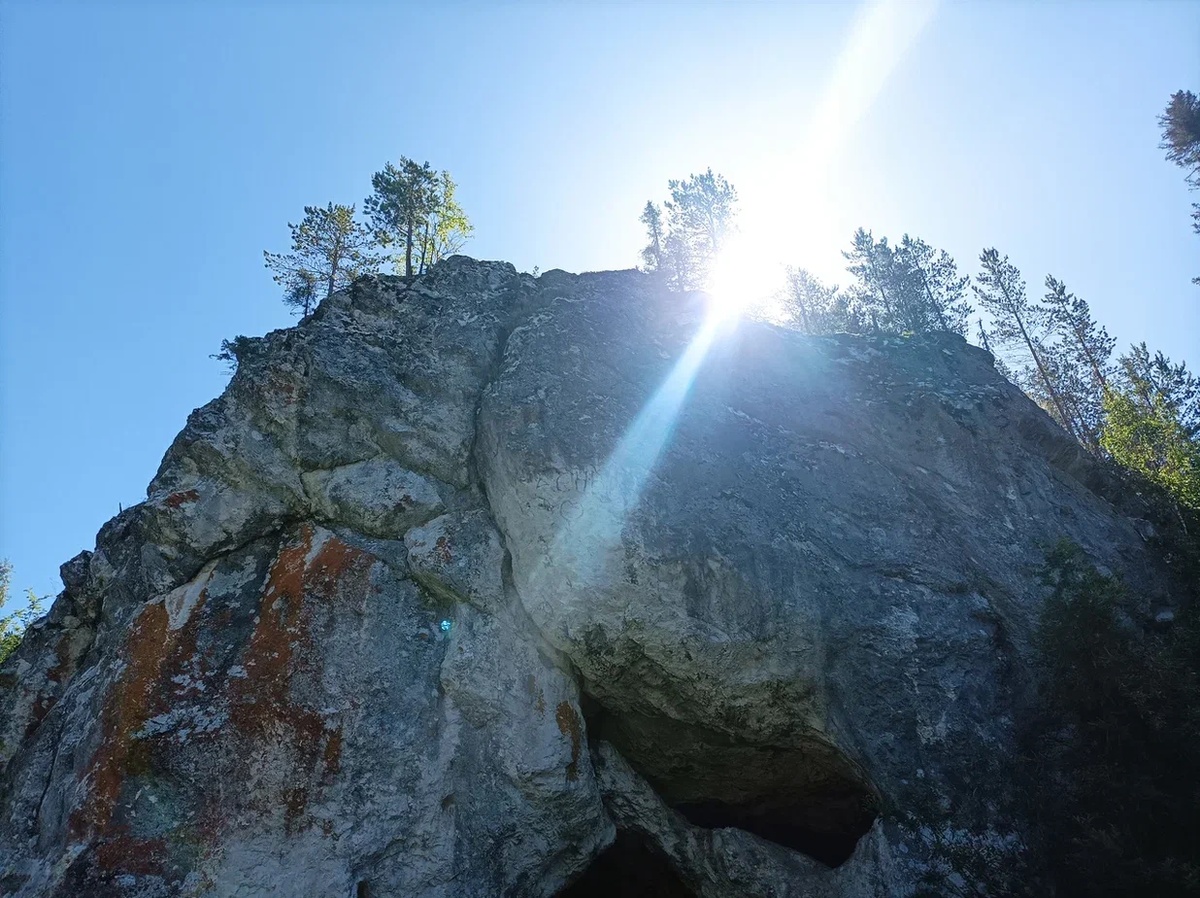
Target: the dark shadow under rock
(807, 796)
(630, 869)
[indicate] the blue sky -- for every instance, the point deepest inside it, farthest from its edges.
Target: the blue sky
(152, 151)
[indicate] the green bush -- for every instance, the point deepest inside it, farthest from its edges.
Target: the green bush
(1113, 747)
(12, 626)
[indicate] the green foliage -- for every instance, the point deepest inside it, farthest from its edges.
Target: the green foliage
(1113, 747)
(1152, 423)
(1021, 327)
(413, 208)
(446, 228)
(699, 218)
(13, 625)
(933, 292)
(233, 351)
(1180, 124)
(812, 308)
(329, 250)
(403, 199)
(1156, 376)
(1081, 359)
(870, 262)
(907, 288)
(653, 252)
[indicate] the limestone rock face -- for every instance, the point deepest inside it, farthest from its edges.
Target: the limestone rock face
(491, 585)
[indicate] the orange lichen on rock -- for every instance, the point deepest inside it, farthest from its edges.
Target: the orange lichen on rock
(333, 753)
(154, 655)
(266, 716)
(569, 725)
(339, 566)
(177, 499)
(281, 650)
(64, 657)
(128, 707)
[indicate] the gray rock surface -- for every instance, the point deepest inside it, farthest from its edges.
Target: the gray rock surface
(463, 579)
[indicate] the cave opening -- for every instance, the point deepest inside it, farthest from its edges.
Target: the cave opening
(807, 795)
(628, 868)
(806, 829)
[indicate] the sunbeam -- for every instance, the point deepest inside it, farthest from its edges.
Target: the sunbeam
(746, 275)
(595, 521)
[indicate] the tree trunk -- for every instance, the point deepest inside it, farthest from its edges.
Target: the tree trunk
(1068, 422)
(426, 249)
(932, 304)
(334, 260)
(1087, 351)
(887, 307)
(803, 306)
(408, 248)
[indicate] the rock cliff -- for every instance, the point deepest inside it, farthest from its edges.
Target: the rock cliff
(487, 584)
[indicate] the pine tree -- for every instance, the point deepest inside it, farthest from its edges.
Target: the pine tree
(1091, 346)
(909, 287)
(301, 290)
(652, 252)
(1086, 349)
(1074, 391)
(329, 250)
(1180, 124)
(801, 298)
(700, 215)
(403, 202)
(1155, 378)
(1000, 290)
(934, 286)
(812, 308)
(872, 263)
(683, 262)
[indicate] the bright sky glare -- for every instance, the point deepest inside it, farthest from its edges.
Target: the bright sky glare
(751, 268)
(152, 151)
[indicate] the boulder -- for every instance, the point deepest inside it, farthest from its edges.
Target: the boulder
(483, 584)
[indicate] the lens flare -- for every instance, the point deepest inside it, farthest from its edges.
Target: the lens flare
(745, 276)
(790, 212)
(595, 519)
(743, 280)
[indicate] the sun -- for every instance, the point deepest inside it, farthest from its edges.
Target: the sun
(743, 279)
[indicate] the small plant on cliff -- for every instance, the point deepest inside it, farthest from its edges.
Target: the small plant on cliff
(1113, 750)
(13, 626)
(233, 351)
